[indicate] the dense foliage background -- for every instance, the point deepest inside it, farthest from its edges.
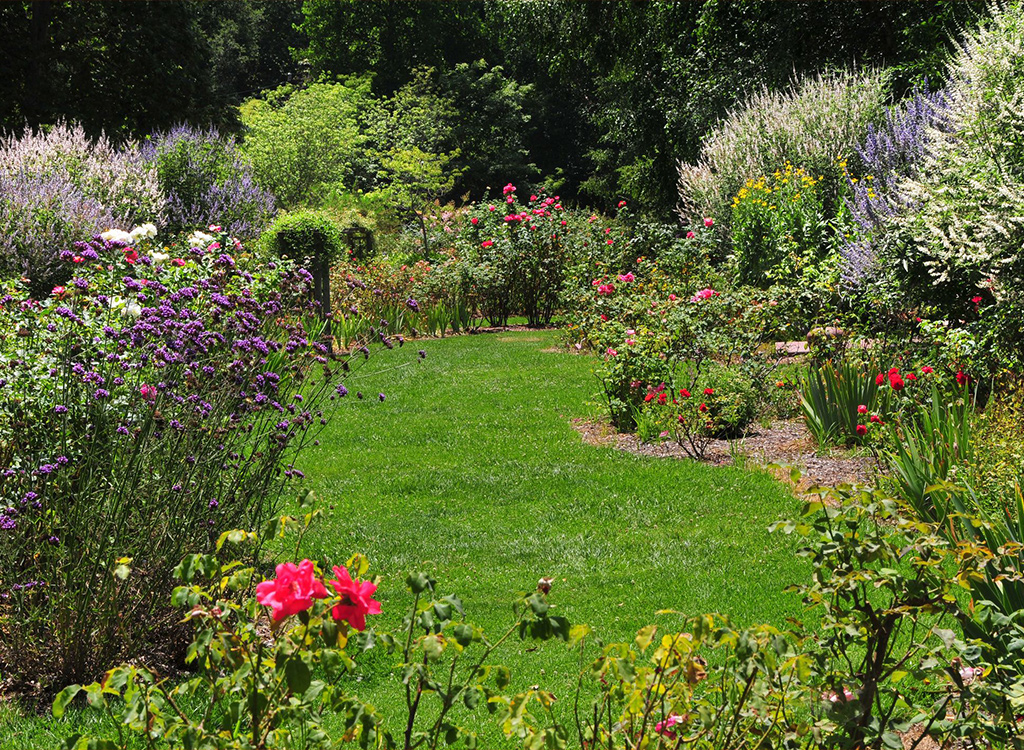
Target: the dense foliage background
(597, 100)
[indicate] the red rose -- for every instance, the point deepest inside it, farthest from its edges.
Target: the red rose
(862, 430)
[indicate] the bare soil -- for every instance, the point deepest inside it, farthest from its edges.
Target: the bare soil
(785, 443)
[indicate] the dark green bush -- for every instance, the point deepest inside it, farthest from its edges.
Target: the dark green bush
(304, 235)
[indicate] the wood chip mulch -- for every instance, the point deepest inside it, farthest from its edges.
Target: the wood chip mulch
(786, 443)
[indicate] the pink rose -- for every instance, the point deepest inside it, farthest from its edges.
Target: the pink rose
(356, 599)
(293, 590)
(690, 235)
(709, 222)
(664, 728)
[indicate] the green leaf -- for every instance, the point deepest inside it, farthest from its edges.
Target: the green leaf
(418, 582)
(577, 633)
(433, 646)
(471, 698)
(537, 603)
(64, 698)
(297, 675)
(502, 677)
(463, 634)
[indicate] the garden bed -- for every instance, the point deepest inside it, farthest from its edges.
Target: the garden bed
(784, 442)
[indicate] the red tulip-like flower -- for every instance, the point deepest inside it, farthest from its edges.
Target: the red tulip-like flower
(356, 599)
(293, 590)
(862, 429)
(709, 391)
(880, 378)
(684, 393)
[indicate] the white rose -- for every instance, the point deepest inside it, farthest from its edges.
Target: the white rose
(200, 239)
(144, 231)
(134, 309)
(115, 235)
(159, 257)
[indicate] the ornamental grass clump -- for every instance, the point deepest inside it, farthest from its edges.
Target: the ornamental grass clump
(158, 398)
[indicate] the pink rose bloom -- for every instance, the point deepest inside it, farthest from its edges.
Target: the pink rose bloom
(293, 590)
(664, 728)
(927, 370)
(148, 392)
(709, 222)
(622, 203)
(491, 207)
(356, 599)
(704, 294)
(690, 235)
(671, 298)
(862, 409)
(611, 352)
(177, 262)
(533, 197)
(474, 221)
(626, 278)
(509, 188)
(606, 289)
(486, 243)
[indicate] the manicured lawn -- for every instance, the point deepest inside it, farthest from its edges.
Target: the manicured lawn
(471, 470)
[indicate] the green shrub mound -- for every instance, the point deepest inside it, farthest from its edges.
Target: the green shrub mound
(305, 235)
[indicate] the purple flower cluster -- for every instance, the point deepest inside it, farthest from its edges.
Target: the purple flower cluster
(205, 177)
(889, 154)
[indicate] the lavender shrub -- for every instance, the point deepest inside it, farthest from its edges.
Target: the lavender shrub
(889, 154)
(39, 216)
(158, 399)
(61, 185)
(205, 177)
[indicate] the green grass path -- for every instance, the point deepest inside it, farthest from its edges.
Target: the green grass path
(470, 469)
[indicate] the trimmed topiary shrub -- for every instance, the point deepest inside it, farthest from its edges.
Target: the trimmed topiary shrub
(305, 235)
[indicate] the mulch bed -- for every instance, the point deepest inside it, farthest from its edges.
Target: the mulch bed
(785, 443)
